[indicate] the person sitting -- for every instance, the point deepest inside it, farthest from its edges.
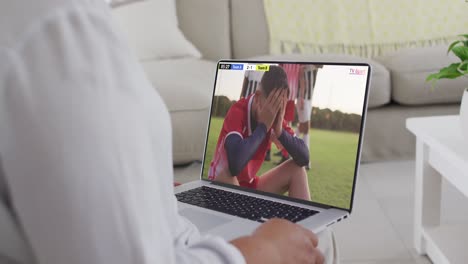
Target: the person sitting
(248, 128)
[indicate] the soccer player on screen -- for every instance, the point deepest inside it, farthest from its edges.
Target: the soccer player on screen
(249, 126)
(293, 72)
(304, 100)
(251, 82)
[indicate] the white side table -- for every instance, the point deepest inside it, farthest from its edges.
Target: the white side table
(440, 152)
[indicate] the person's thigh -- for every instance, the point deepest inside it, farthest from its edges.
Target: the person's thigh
(308, 112)
(302, 115)
(277, 179)
(307, 108)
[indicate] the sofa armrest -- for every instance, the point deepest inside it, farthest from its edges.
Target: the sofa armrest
(206, 23)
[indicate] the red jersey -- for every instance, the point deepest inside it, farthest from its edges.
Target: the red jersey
(238, 121)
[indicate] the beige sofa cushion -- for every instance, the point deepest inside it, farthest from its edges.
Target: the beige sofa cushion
(206, 23)
(379, 93)
(249, 29)
(186, 86)
(152, 31)
(386, 137)
(409, 69)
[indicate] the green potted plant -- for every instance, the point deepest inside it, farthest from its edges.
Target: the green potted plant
(457, 70)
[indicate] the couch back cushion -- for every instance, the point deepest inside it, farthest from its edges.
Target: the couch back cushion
(249, 29)
(152, 31)
(206, 23)
(409, 69)
(187, 94)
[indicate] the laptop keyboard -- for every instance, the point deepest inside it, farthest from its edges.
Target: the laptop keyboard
(244, 206)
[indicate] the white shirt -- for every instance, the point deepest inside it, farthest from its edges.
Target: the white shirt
(85, 143)
(254, 78)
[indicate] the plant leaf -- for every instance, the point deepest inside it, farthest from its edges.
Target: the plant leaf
(463, 67)
(449, 72)
(464, 36)
(453, 45)
(431, 77)
(461, 52)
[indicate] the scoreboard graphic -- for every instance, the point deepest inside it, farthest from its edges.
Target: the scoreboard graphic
(244, 66)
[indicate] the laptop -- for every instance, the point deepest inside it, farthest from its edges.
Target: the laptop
(307, 174)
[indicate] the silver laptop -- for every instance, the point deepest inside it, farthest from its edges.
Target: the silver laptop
(307, 174)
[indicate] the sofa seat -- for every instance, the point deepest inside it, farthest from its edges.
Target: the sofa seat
(386, 136)
(186, 86)
(409, 69)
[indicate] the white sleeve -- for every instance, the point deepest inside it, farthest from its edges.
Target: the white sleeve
(117, 3)
(202, 249)
(86, 149)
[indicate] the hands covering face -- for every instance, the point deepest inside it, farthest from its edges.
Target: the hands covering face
(272, 111)
(278, 124)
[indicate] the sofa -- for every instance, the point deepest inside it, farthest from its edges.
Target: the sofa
(226, 29)
(237, 29)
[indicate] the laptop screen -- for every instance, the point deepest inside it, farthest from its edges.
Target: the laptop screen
(288, 128)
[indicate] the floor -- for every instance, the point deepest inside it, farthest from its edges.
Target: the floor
(380, 228)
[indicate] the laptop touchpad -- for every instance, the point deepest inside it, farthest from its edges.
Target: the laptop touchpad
(203, 220)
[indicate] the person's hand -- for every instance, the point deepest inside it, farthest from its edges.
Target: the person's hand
(267, 113)
(278, 124)
(280, 241)
(293, 243)
(301, 103)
